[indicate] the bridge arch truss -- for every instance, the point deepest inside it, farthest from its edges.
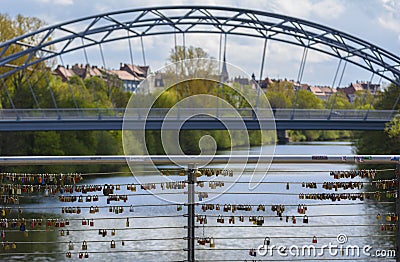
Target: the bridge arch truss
(80, 33)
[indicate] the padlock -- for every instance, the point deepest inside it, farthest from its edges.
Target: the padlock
(123, 243)
(314, 240)
(68, 255)
(84, 223)
(388, 218)
(212, 243)
(86, 255)
(62, 233)
(305, 219)
(13, 246)
(26, 233)
(80, 255)
(127, 222)
(113, 232)
(267, 241)
(84, 245)
(293, 219)
(91, 222)
(260, 221)
(67, 232)
(70, 245)
(22, 227)
(378, 216)
(287, 186)
(112, 245)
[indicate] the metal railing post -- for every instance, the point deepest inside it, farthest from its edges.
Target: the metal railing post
(397, 214)
(191, 211)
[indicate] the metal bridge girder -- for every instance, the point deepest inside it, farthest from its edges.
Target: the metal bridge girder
(253, 23)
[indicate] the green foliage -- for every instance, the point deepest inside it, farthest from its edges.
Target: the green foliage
(339, 101)
(382, 142)
(363, 100)
(306, 99)
(282, 94)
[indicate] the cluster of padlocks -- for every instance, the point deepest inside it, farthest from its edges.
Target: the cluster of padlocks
(40, 179)
(384, 188)
(348, 196)
(354, 173)
(64, 188)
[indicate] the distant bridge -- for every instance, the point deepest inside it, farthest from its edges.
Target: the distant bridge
(112, 119)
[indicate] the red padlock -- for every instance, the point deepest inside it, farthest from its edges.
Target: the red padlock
(314, 240)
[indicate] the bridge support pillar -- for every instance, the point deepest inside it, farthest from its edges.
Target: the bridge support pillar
(282, 137)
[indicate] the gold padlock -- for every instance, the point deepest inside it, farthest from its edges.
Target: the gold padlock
(113, 232)
(127, 222)
(70, 245)
(13, 245)
(112, 245)
(84, 245)
(212, 243)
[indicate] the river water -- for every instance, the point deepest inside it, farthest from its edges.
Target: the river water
(165, 231)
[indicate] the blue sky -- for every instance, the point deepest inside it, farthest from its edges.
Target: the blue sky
(377, 21)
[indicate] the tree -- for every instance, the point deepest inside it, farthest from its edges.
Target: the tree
(339, 101)
(382, 142)
(306, 99)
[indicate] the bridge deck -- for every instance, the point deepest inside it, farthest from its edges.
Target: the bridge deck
(217, 119)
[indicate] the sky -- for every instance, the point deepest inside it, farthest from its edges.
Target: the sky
(377, 21)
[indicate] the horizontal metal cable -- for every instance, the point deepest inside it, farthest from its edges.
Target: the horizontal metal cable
(226, 225)
(90, 252)
(96, 229)
(296, 194)
(98, 241)
(137, 194)
(297, 215)
(295, 182)
(197, 204)
(300, 237)
(298, 259)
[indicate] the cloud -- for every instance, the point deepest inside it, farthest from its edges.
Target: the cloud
(389, 18)
(325, 9)
(58, 2)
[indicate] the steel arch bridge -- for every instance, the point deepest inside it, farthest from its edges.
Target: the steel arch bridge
(150, 21)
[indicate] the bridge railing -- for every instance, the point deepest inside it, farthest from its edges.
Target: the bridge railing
(309, 206)
(181, 113)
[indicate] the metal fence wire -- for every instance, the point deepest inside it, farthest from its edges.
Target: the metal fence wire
(291, 212)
